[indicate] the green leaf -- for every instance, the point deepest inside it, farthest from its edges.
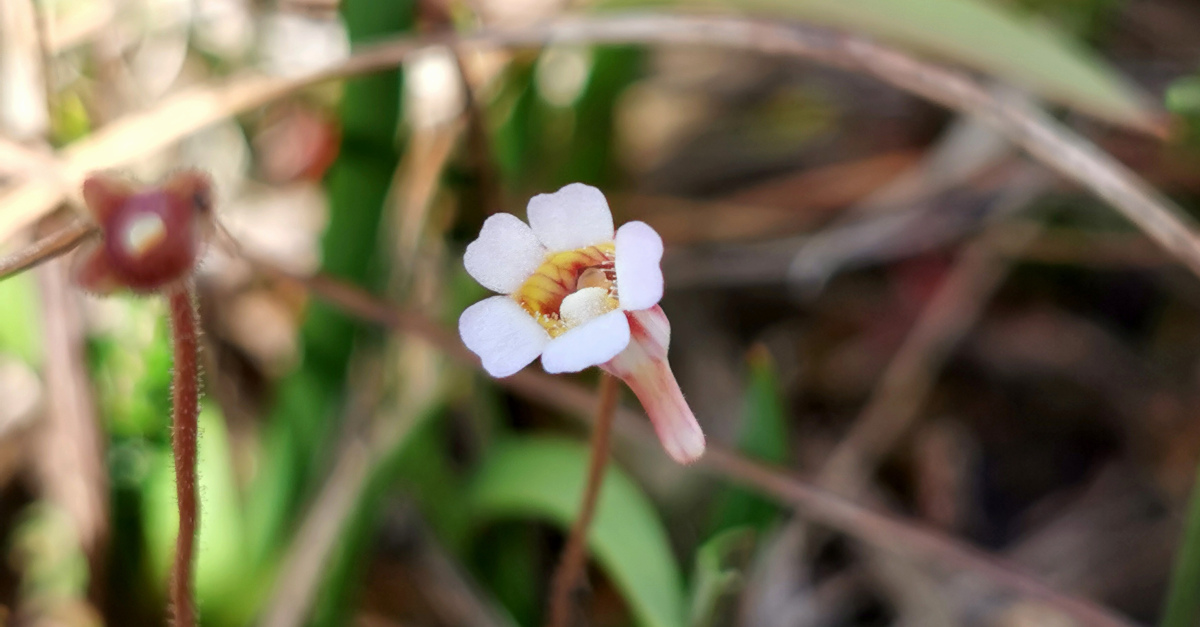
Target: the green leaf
(980, 35)
(544, 478)
(764, 437)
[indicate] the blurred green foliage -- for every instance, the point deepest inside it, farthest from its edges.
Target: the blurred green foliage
(19, 321)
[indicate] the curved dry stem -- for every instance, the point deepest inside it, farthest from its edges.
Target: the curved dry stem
(574, 557)
(1041, 136)
(185, 335)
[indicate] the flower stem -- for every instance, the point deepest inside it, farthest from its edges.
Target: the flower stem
(186, 398)
(570, 567)
(1183, 600)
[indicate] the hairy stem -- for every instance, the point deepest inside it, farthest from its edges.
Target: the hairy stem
(570, 567)
(186, 398)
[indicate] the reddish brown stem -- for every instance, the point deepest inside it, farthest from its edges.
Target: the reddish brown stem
(566, 576)
(186, 408)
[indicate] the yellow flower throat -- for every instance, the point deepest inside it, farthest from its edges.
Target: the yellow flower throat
(561, 275)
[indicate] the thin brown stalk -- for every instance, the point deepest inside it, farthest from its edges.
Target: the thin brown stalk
(57, 243)
(185, 336)
(1056, 146)
(574, 557)
(879, 530)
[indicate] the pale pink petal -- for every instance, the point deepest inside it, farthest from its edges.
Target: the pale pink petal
(655, 386)
(643, 367)
(504, 335)
(573, 217)
(590, 344)
(639, 276)
(505, 254)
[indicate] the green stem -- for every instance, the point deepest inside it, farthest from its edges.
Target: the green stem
(1183, 600)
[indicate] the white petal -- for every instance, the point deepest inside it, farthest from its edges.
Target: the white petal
(504, 335)
(592, 344)
(639, 276)
(505, 254)
(573, 217)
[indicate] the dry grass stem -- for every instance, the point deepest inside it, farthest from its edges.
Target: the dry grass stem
(304, 566)
(55, 244)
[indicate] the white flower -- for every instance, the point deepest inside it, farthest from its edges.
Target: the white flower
(567, 282)
(578, 294)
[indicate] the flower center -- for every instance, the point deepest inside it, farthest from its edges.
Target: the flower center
(570, 288)
(143, 233)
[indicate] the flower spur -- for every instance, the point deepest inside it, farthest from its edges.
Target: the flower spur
(578, 294)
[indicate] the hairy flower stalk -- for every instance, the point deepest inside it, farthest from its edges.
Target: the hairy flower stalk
(151, 239)
(579, 294)
(185, 336)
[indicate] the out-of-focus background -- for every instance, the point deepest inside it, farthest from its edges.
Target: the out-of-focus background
(869, 291)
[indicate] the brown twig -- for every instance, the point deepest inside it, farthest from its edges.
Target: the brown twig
(876, 529)
(1028, 126)
(53, 245)
(571, 565)
(185, 335)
